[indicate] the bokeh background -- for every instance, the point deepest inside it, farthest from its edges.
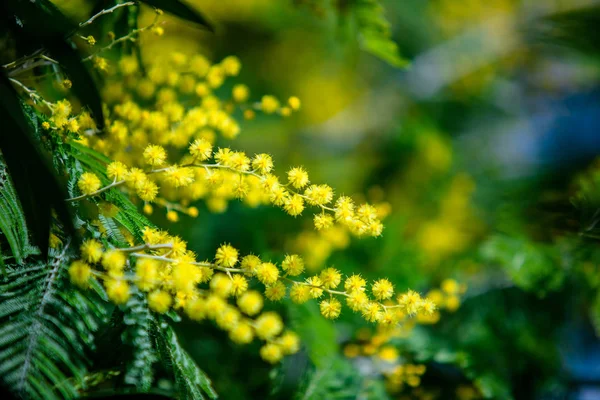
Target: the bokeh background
(479, 138)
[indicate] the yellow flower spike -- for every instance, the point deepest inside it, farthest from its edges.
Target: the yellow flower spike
(179, 176)
(221, 285)
(314, 285)
(91, 251)
(239, 285)
(319, 195)
(289, 343)
(201, 149)
(323, 221)
(371, 312)
(249, 264)
(196, 309)
(117, 291)
(344, 209)
(382, 289)
(146, 272)
(114, 260)
(298, 177)
(240, 93)
(251, 302)
(269, 104)
(330, 278)
(410, 302)
(331, 308)
(388, 354)
(242, 334)
(231, 65)
(135, 177)
(202, 89)
(158, 30)
(147, 191)
(267, 273)
(294, 103)
(294, 205)
(228, 318)
(268, 325)
(80, 273)
(172, 216)
(428, 307)
(262, 163)
(271, 353)
(155, 155)
(160, 301)
(215, 305)
(276, 291)
(300, 293)
(293, 264)
(226, 256)
(285, 111)
(88, 183)
(355, 283)
(357, 300)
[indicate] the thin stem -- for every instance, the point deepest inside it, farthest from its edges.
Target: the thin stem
(105, 11)
(147, 246)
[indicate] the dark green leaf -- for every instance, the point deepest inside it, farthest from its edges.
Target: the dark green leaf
(29, 169)
(181, 10)
(83, 85)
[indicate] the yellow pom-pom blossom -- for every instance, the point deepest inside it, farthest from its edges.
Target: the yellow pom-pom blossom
(294, 103)
(276, 291)
(300, 293)
(331, 308)
(314, 285)
(354, 283)
(201, 149)
(239, 285)
(293, 265)
(411, 302)
(242, 333)
(263, 163)
(249, 264)
(226, 256)
(289, 342)
(88, 183)
(271, 353)
(268, 325)
(80, 273)
(91, 250)
(221, 285)
(267, 273)
(114, 261)
(383, 289)
(269, 104)
(294, 205)
(298, 177)
(117, 290)
(159, 301)
(240, 93)
(155, 155)
(330, 278)
(146, 270)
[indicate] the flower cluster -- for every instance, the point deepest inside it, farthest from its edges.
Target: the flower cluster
(227, 174)
(169, 274)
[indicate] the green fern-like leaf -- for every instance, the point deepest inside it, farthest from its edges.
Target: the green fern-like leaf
(12, 219)
(138, 334)
(46, 330)
(191, 382)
